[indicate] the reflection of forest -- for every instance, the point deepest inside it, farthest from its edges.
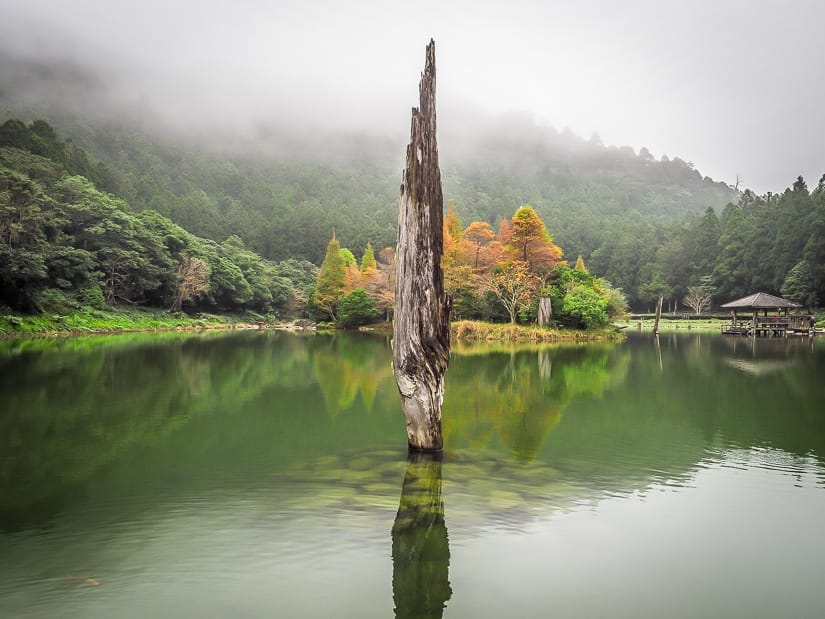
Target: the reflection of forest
(69, 408)
(346, 367)
(72, 407)
(219, 408)
(518, 396)
(749, 392)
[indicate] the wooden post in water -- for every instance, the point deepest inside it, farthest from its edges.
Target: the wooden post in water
(421, 324)
(658, 316)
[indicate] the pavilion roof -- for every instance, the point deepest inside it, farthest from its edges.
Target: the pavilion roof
(761, 300)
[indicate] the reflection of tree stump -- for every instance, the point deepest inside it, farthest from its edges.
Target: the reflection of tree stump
(420, 548)
(421, 325)
(545, 365)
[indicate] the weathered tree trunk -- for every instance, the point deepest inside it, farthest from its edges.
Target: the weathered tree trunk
(658, 316)
(421, 322)
(545, 311)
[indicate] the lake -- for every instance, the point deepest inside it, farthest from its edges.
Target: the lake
(265, 474)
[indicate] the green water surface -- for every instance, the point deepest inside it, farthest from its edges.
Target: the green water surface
(263, 474)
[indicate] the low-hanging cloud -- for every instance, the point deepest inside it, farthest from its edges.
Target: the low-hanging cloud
(715, 83)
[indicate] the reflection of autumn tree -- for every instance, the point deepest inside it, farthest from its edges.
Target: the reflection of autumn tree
(470, 409)
(339, 384)
(346, 367)
(380, 282)
(504, 400)
(525, 425)
(519, 396)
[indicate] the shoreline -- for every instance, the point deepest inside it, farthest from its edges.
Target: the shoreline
(474, 331)
(115, 322)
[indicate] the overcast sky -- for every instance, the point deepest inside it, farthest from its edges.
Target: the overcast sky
(735, 86)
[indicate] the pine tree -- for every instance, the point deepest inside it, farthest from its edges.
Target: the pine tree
(329, 287)
(368, 259)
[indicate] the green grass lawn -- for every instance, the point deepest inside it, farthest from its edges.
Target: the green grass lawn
(667, 324)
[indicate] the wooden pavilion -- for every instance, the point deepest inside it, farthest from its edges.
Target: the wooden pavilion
(765, 314)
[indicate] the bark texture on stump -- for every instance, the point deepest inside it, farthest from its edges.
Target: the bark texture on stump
(421, 325)
(545, 311)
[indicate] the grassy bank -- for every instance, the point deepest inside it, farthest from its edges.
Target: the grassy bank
(469, 330)
(699, 325)
(694, 325)
(125, 320)
(118, 320)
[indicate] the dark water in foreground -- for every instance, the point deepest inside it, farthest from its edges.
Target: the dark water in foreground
(266, 475)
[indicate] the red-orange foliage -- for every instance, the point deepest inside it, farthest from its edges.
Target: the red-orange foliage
(477, 236)
(526, 238)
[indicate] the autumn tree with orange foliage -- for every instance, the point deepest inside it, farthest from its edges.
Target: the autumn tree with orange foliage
(460, 283)
(381, 285)
(483, 269)
(480, 240)
(527, 239)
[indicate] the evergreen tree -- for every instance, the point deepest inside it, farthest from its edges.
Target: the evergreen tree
(329, 287)
(368, 259)
(798, 284)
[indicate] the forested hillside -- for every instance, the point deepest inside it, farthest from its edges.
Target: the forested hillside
(650, 227)
(66, 245)
(285, 196)
(773, 243)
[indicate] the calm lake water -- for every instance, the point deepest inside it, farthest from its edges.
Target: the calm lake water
(263, 474)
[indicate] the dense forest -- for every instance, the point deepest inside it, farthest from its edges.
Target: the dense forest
(285, 198)
(65, 244)
(118, 216)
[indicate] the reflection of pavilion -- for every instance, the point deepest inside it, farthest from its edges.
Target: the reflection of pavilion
(763, 356)
(759, 367)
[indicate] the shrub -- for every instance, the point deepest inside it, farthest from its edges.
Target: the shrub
(586, 306)
(356, 309)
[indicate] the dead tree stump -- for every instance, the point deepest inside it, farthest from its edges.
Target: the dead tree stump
(658, 316)
(421, 325)
(545, 311)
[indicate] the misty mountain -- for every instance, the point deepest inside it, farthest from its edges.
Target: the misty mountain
(284, 187)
